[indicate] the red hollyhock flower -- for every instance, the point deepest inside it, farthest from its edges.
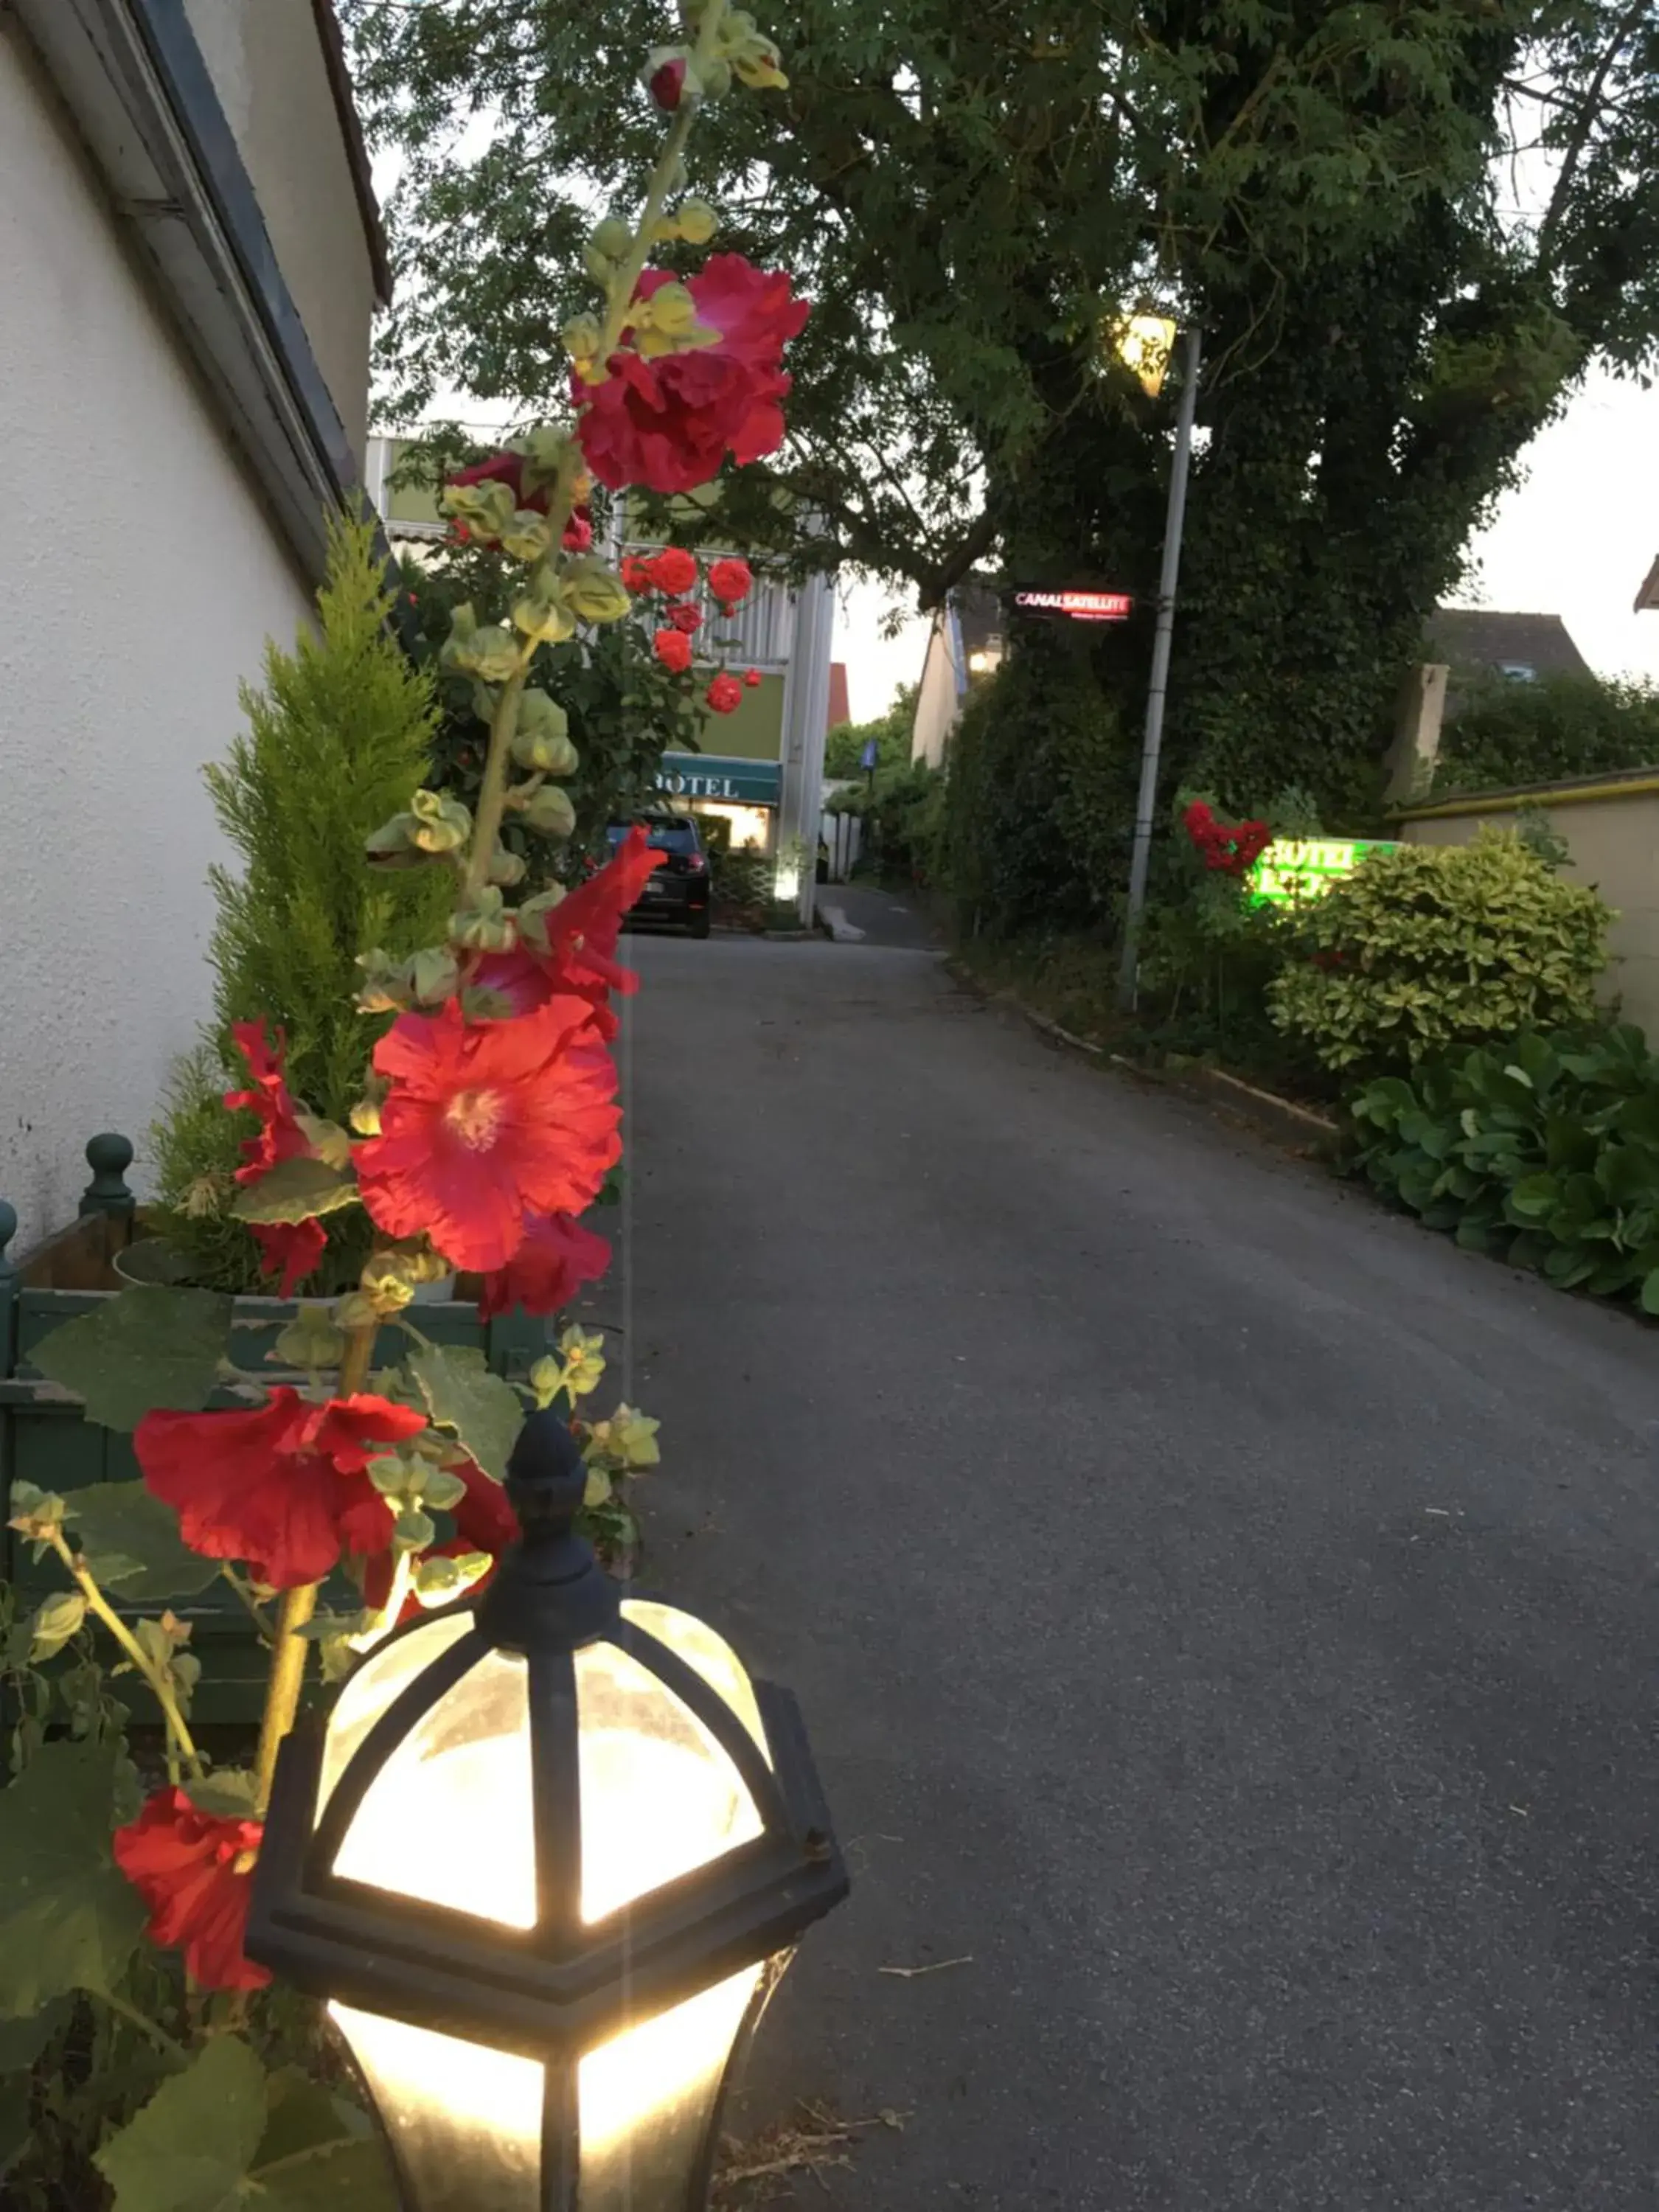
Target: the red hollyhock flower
(281, 1488)
(731, 581)
(751, 676)
(685, 618)
(288, 1249)
(673, 570)
(484, 1521)
(667, 84)
(579, 530)
(673, 650)
(194, 1872)
(489, 1122)
(507, 469)
(725, 694)
(583, 932)
(636, 573)
(669, 423)
(556, 1258)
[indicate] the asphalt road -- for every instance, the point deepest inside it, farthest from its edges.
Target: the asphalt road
(1225, 1616)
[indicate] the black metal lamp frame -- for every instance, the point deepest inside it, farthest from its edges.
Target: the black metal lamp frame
(556, 1990)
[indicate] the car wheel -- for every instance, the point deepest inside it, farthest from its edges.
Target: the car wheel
(698, 925)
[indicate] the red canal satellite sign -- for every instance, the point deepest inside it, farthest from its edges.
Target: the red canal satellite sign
(1078, 606)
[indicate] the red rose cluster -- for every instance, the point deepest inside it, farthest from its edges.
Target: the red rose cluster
(669, 422)
(670, 576)
(1231, 849)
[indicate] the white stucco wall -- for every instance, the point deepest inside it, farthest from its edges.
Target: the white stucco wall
(139, 580)
(939, 702)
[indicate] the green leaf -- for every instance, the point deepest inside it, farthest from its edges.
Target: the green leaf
(230, 1793)
(15, 2121)
(148, 1348)
(295, 1190)
(69, 1919)
(302, 2117)
(1649, 1296)
(355, 2174)
(21, 2041)
(190, 2147)
(130, 1543)
(1535, 1197)
(485, 1412)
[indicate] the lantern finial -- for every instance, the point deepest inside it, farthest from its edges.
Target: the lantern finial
(549, 1591)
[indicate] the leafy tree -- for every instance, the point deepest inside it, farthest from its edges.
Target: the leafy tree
(970, 196)
(843, 749)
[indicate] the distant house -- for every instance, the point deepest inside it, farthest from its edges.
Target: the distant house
(964, 647)
(1475, 641)
(1648, 595)
(190, 261)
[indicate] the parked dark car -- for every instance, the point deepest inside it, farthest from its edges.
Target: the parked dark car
(677, 892)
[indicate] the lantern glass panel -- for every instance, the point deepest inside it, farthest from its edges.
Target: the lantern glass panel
(370, 1690)
(646, 2100)
(698, 1644)
(467, 2120)
(449, 1819)
(659, 1797)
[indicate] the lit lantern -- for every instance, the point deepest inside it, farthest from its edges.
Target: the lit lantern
(1144, 344)
(546, 1861)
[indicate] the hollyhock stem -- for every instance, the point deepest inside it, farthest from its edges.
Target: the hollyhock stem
(142, 2020)
(288, 1659)
(656, 197)
(388, 1615)
(492, 791)
(284, 1683)
(179, 1737)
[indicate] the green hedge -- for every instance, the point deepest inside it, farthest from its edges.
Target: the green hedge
(1549, 732)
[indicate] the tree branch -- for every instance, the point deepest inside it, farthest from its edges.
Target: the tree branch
(1578, 137)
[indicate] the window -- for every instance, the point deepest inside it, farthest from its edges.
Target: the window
(1518, 671)
(666, 837)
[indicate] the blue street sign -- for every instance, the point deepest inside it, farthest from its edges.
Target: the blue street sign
(867, 757)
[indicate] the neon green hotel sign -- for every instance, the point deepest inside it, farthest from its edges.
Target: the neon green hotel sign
(1296, 868)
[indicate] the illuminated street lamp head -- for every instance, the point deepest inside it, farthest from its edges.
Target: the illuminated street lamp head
(1144, 344)
(546, 1859)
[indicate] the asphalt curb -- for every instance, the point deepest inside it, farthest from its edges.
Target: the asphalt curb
(1299, 1126)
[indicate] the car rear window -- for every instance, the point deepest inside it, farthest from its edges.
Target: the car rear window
(666, 837)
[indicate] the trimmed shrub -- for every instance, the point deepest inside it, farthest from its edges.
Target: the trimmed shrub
(1434, 946)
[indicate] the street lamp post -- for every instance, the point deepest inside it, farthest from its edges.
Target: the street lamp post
(545, 1862)
(1152, 742)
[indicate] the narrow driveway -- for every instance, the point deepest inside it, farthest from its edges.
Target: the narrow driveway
(1225, 1616)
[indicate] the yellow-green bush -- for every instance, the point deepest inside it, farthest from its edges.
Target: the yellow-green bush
(1432, 946)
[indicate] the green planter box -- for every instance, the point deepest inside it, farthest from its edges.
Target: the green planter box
(45, 1440)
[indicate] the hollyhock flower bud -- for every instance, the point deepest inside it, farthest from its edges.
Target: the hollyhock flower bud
(725, 694)
(613, 238)
(666, 79)
(696, 221)
(674, 649)
(686, 617)
(751, 676)
(578, 532)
